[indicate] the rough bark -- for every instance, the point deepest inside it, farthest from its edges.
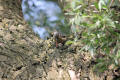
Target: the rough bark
(24, 56)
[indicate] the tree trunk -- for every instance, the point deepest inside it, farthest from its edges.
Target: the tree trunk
(24, 56)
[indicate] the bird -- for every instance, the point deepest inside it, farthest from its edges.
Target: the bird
(59, 38)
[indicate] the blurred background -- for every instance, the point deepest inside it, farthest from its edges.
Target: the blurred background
(44, 16)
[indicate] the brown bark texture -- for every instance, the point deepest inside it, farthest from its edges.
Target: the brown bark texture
(24, 56)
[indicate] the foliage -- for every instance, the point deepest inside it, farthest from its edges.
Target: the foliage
(100, 29)
(69, 42)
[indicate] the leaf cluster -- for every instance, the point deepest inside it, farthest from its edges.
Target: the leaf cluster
(100, 28)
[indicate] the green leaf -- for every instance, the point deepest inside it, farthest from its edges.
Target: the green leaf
(69, 42)
(96, 5)
(101, 4)
(73, 5)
